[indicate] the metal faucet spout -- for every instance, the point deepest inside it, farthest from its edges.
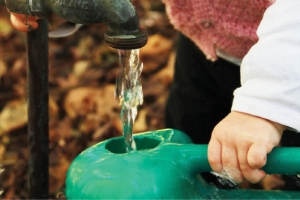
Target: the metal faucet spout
(120, 16)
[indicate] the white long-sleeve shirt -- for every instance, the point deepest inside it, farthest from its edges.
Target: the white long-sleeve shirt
(270, 71)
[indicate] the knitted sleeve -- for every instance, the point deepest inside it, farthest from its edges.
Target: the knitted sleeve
(270, 72)
(225, 25)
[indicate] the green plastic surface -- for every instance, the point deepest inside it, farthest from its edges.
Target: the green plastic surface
(166, 165)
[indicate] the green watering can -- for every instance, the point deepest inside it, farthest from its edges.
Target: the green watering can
(166, 165)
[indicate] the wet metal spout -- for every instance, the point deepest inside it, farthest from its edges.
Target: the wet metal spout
(120, 16)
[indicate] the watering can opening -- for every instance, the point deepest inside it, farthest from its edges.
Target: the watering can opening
(117, 145)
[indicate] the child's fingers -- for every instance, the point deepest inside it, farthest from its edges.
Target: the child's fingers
(252, 161)
(257, 155)
(214, 155)
(231, 164)
(253, 175)
(18, 22)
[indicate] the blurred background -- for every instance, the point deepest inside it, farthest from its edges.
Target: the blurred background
(83, 110)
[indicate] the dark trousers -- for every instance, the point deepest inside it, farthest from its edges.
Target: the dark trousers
(202, 92)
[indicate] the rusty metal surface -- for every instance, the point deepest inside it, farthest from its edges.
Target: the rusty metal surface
(37, 95)
(18, 6)
(118, 15)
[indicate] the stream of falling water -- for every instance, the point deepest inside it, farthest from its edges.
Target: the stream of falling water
(129, 91)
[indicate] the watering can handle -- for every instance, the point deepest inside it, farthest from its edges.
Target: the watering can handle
(282, 160)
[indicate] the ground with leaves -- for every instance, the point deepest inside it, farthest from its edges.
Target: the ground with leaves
(83, 110)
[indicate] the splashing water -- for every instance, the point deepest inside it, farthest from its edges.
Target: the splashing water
(225, 179)
(129, 91)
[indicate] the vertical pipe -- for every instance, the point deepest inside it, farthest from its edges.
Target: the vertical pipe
(37, 96)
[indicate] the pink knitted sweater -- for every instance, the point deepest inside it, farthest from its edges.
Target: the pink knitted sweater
(227, 25)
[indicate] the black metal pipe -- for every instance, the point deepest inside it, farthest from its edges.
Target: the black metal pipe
(37, 96)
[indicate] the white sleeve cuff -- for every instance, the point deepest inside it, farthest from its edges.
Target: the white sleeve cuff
(272, 112)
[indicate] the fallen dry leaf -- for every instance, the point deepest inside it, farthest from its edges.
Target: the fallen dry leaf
(80, 67)
(81, 101)
(60, 130)
(57, 173)
(165, 76)
(155, 54)
(6, 28)
(13, 116)
(3, 68)
(53, 108)
(157, 44)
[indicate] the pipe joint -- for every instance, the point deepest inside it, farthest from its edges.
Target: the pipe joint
(38, 8)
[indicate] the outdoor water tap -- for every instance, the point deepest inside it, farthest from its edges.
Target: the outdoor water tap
(120, 16)
(166, 165)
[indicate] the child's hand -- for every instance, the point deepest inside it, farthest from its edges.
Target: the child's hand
(20, 23)
(239, 145)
